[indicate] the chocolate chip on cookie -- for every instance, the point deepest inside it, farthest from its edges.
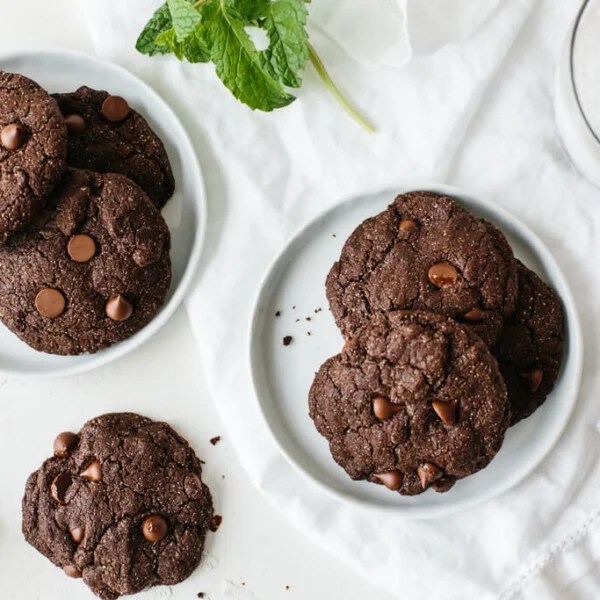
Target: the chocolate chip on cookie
(415, 401)
(107, 136)
(33, 149)
(531, 345)
(425, 252)
(142, 523)
(92, 270)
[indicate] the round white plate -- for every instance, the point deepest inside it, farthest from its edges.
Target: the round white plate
(185, 213)
(282, 375)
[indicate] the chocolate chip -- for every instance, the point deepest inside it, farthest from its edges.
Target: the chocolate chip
(50, 303)
(77, 534)
(72, 571)
(446, 411)
(214, 441)
(278, 313)
(383, 409)
(532, 379)
(118, 308)
(215, 522)
(64, 443)
(392, 479)
(75, 124)
(428, 473)
(287, 340)
(93, 472)
(475, 315)
(13, 136)
(442, 274)
(59, 486)
(115, 108)
(154, 528)
(81, 248)
(407, 225)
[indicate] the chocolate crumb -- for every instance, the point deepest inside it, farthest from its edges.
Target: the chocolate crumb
(309, 333)
(294, 307)
(297, 320)
(200, 595)
(287, 587)
(215, 522)
(214, 441)
(333, 234)
(278, 313)
(308, 318)
(287, 340)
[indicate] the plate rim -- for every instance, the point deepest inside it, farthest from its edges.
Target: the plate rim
(576, 350)
(112, 353)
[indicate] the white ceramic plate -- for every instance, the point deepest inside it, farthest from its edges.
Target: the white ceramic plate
(282, 375)
(185, 213)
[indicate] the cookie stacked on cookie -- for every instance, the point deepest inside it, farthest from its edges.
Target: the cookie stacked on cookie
(84, 250)
(449, 340)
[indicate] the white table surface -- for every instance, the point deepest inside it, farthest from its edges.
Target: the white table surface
(255, 554)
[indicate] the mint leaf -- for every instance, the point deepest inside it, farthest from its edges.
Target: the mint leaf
(185, 18)
(250, 10)
(237, 61)
(285, 23)
(194, 47)
(159, 23)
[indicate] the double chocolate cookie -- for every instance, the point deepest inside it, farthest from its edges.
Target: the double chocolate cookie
(415, 400)
(93, 269)
(531, 345)
(121, 504)
(425, 252)
(33, 149)
(108, 136)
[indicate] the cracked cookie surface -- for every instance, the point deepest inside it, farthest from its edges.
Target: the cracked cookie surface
(119, 476)
(128, 146)
(425, 252)
(92, 270)
(32, 155)
(530, 348)
(415, 400)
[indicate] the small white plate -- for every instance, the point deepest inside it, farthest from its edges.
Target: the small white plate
(282, 375)
(185, 213)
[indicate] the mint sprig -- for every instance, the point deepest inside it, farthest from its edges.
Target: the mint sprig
(215, 31)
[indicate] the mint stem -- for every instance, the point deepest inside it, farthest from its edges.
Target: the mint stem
(335, 92)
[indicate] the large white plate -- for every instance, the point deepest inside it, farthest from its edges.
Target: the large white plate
(282, 375)
(185, 213)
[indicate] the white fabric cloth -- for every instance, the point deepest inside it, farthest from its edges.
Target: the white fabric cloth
(472, 107)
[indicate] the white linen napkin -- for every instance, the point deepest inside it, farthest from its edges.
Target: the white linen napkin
(472, 107)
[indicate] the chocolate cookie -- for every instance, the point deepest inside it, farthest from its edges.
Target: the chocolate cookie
(108, 136)
(121, 504)
(424, 252)
(531, 346)
(415, 400)
(33, 149)
(92, 270)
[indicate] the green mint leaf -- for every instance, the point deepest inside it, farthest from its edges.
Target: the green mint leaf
(287, 55)
(237, 61)
(250, 10)
(159, 23)
(194, 47)
(185, 18)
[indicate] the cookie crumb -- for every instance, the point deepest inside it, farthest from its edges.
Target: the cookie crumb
(333, 234)
(294, 307)
(308, 319)
(278, 313)
(297, 320)
(287, 340)
(214, 441)
(309, 333)
(215, 522)
(287, 587)
(200, 595)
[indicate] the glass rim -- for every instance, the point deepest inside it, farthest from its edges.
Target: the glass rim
(578, 20)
